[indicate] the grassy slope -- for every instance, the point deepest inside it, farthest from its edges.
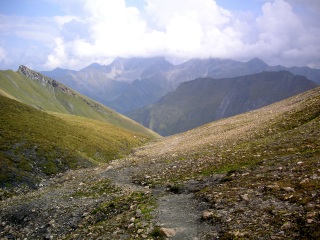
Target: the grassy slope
(34, 143)
(46, 97)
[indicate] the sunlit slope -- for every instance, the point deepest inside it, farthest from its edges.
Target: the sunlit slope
(43, 93)
(34, 144)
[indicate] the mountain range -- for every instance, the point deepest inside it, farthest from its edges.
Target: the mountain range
(197, 102)
(126, 85)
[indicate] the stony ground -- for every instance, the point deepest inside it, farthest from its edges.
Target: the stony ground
(253, 176)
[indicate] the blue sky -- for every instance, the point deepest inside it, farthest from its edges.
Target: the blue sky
(32, 8)
(45, 34)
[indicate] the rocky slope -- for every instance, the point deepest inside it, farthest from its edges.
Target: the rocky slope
(251, 176)
(200, 101)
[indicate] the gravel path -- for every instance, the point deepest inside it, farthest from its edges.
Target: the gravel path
(180, 214)
(177, 215)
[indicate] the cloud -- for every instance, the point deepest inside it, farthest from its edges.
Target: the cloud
(59, 56)
(107, 29)
(284, 38)
(285, 32)
(183, 29)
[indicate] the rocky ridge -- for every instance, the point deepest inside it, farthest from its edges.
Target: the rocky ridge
(35, 76)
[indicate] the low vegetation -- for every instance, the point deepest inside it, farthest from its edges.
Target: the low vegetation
(35, 144)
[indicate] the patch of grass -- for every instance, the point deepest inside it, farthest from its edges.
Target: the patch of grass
(95, 189)
(130, 214)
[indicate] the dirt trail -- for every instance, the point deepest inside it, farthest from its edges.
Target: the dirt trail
(178, 214)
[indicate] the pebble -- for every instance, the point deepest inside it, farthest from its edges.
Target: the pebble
(244, 197)
(207, 215)
(288, 189)
(138, 213)
(168, 232)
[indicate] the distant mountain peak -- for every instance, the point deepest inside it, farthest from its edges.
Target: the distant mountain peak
(93, 66)
(257, 62)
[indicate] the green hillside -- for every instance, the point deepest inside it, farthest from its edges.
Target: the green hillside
(44, 93)
(34, 144)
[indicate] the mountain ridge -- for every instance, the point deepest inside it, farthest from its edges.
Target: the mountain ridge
(203, 100)
(114, 83)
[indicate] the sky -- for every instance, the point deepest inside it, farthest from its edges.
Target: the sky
(71, 34)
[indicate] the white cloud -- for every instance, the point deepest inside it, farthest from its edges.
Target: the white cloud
(62, 20)
(192, 28)
(204, 12)
(285, 33)
(59, 56)
(284, 38)
(181, 28)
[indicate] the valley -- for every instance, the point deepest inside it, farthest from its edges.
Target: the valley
(170, 99)
(251, 176)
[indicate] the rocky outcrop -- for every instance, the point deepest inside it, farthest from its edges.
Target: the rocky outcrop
(35, 76)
